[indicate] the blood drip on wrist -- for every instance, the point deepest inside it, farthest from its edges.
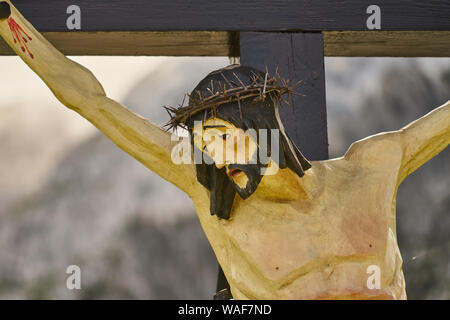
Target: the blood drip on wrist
(19, 36)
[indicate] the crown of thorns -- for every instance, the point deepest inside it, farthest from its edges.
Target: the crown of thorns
(231, 90)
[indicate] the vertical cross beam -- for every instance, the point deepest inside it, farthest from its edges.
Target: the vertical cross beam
(298, 56)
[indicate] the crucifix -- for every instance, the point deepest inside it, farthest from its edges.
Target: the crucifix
(316, 227)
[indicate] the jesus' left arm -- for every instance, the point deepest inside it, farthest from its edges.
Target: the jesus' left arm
(413, 145)
(423, 139)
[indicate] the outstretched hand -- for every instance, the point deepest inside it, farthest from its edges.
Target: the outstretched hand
(5, 10)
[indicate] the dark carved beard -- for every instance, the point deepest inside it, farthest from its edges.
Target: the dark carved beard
(222, 187)
(253, 173)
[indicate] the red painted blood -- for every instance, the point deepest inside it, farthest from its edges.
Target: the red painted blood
(19, 35)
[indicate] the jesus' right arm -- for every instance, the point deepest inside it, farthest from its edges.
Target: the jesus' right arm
(78, 89)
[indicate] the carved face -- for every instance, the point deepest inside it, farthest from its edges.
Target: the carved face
(230, 149)
(233, 149)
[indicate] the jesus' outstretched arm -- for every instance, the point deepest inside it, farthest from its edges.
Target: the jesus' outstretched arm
(424, 138)
(407, 148)
(78, 89)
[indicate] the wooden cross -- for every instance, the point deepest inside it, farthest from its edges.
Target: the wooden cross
(293, 35)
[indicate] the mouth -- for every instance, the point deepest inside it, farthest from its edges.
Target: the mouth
(234, 173)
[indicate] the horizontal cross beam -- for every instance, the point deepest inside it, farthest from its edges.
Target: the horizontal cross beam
(237, 15)
(223, 43)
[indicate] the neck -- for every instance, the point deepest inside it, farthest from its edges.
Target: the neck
(286, 185)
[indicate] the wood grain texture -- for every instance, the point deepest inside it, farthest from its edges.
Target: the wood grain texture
(257, 15)
(387, 43)
(298, 56)
(222, 43)
(175, 43)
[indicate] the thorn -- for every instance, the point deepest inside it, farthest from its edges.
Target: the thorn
(182, 102)
(226, 80)
(239, 105)
(245, 87)
(265, 82)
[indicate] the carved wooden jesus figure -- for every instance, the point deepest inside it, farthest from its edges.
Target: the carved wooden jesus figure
(311, 230)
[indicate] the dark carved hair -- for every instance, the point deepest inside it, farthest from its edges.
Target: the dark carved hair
(249, 115)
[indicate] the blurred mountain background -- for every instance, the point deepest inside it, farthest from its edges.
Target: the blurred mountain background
(69, 196)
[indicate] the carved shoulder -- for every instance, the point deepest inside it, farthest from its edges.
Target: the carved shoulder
(379, 150)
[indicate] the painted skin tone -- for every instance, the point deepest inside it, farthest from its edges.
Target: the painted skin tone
(240, 150)
(225, 144)
(294, 238)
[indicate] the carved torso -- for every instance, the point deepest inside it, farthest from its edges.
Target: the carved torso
(317, 247)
